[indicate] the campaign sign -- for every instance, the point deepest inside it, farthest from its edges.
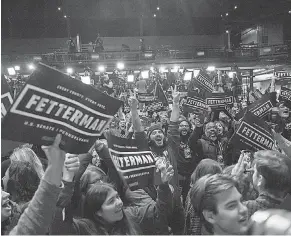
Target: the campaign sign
(51, 103)
(136, 163)
(259, 108)
(219, 101)
(6, 97)
(285, 95)
(195, 104)
(253, 134)
(204, 82)
(145, 97)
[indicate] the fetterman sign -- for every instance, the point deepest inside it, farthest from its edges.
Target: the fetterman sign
(52, 102)
(253, 134)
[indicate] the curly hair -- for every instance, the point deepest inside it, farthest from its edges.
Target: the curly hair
(23, 181)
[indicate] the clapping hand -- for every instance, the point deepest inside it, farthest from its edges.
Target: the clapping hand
(166, 172)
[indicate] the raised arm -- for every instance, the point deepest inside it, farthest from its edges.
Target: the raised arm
(176, 109)
(136, 122)
(37, 217)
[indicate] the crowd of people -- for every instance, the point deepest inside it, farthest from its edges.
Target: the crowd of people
(207, 185)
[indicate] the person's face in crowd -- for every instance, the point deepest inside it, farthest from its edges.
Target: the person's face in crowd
(155, 115)
(283, 111)
(122, 125)
(231, 216)
(219, 128)
(106, 77)
(211, 131)
(184, 128)
(274, 114)
(235, 105)
(5, 179)
(158, 137)
(111, 210)
(6, 206)
(244, 105)
(257, 179)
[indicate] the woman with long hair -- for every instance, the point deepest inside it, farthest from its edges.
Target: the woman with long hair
(106, 213)
(193, 224)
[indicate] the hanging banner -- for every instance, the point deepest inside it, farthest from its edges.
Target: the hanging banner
(259, 108)
(253, 134)
(145, 97)
(135, 162)
(51, 103)
(6, 97)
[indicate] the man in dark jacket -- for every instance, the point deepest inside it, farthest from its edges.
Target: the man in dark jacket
(166, 149)
(210, 146)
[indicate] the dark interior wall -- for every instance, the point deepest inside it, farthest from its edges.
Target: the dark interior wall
(112, 18)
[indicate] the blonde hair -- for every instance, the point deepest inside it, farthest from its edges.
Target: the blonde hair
(26, 154)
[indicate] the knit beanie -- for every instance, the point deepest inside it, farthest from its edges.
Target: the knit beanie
(152, 128)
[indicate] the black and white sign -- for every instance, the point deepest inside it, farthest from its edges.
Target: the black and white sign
(135, 162)
(253, 134)
(52, 102)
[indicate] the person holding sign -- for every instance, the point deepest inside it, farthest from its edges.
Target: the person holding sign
(165, 150)
(105, 212)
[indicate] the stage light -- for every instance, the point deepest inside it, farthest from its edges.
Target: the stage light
(155, 15)
(70, 70)
(188, 75)
(145, 74)
(86, 79)
(65, 16)
(227, 31)
(231, 74)
(31, 67)
(175, 69)
(11, 71)
(158, 8)
(59, 8)
(210, 68)
(162, 69)
(17, 68)
(226, 14)
(196, 73)
(120, 66)
(101, 68)
(130, 78)
(235, 7)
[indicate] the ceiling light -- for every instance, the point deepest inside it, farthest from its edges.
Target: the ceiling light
(101, 68)
(210, 68)
(155, 15)
(70, 70)
(227, 31)
(31, 67)
(158, 8)
(235, 7)
(120, 66)
(289, 12)
(226, 14)
(17, 67)
(59, 8)
(11, 71)
(65, 16)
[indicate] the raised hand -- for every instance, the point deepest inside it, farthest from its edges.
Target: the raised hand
(53, 153)
(133, 100)
(175, 95)
(240, 167)
(71, 167)
(167, 173)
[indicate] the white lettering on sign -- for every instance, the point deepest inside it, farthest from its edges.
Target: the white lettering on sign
(262, 110)
(77, 113)
(255, 136)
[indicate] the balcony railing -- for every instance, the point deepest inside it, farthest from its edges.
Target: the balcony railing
(61, 56)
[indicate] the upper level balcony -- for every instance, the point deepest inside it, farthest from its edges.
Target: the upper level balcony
(191, 55)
